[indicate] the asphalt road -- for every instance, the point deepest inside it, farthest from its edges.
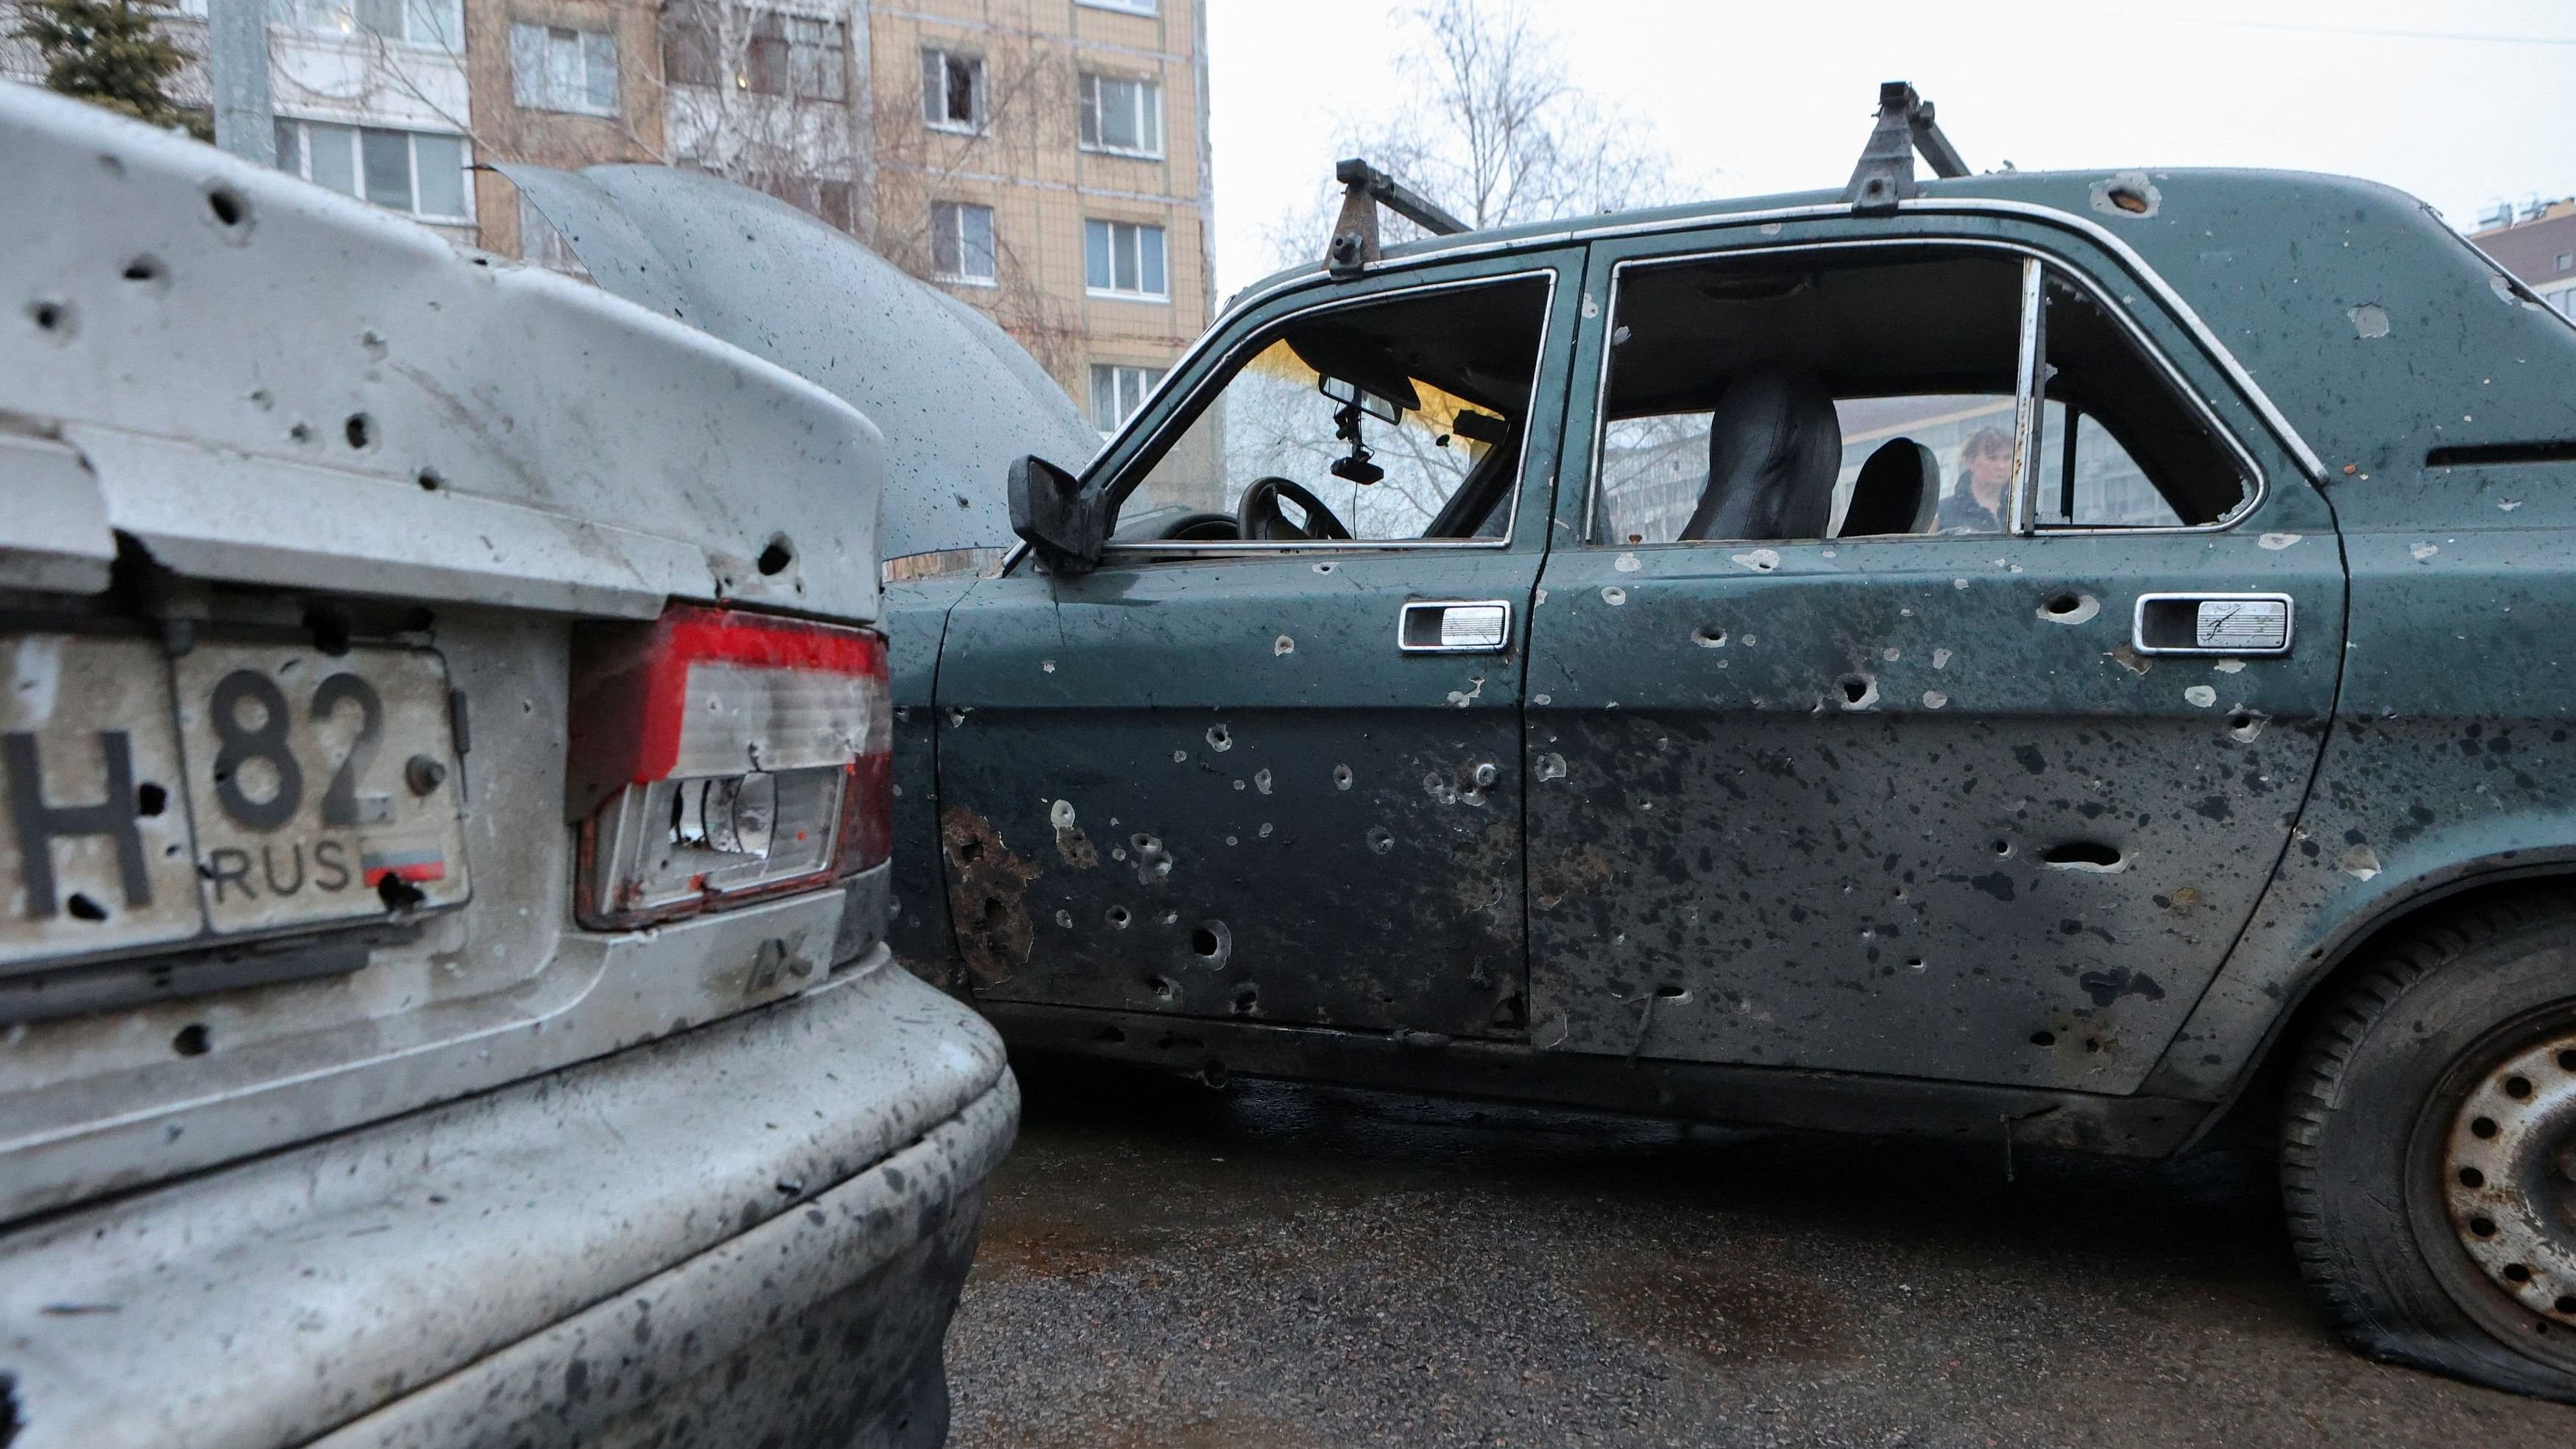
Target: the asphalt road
(1163, 1264)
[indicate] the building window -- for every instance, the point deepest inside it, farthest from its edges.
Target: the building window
(1117, 392)
(412, 171)
(555, 69)
(2566, 261)
(782, 55)
(1131, 7)
(1124, 115)
(437, 23)
(1123, 260)
(961, 242)
(952, 91)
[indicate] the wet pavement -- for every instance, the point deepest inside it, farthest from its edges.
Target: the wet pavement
(1164, 1264)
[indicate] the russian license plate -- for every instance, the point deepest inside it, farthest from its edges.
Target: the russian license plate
(236, 789)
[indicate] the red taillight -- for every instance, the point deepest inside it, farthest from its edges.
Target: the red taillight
(720, 756)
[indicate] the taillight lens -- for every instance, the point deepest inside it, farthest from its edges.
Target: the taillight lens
(720, 756)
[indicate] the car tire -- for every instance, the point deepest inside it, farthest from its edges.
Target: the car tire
(2392, 1125)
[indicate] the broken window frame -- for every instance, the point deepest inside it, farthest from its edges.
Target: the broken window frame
(1217, 368)
(940, 71)
(2029, 397)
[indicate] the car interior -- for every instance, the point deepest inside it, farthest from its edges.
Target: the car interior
(1394, 419)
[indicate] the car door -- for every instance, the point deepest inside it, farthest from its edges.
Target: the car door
(1971, 770)
(1279, 779)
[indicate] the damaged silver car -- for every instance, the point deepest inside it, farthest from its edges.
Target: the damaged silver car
(445, 761)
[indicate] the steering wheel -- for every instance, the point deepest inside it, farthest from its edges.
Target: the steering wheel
(1258, 515)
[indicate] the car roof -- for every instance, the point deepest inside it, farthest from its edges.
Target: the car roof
(2377, 332)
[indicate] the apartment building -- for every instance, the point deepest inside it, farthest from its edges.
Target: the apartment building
(2538, 245)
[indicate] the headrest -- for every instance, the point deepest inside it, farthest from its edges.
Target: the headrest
(1897, 491)
(1774, 445)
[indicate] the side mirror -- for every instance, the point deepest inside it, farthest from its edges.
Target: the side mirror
(1048, 509)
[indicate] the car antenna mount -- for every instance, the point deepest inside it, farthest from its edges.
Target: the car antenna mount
(1885, 175)
(1354, 243)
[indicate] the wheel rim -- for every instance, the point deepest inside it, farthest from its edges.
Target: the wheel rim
(2509, 1176)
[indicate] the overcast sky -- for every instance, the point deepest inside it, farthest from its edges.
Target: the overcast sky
(2463, 102)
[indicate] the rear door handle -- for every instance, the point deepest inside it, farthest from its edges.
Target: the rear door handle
(1455, 626)
(2212, 624)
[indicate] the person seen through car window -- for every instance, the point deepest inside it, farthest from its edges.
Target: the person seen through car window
(1975, 503)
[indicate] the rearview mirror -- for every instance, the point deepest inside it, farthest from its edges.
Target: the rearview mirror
(1049, 510)
(1351, 394)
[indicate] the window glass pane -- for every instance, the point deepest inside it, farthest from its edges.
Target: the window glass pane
(975, 242)
(934, 87)
(688, 53)
(563, 67)
(1087, 118)
(1149, 135)
(1095, 255)
(386, 156)
(290, 148)
(943, 238)
(381, 17)
(1149, 250)
(599, 70)
(1122, 257)
(528, 65)
(1763, 398)
(965, 85)
(1118, 114)
(435, 22)
(1105, 414)
(1446, 467)
(442, 174)
(330, 148)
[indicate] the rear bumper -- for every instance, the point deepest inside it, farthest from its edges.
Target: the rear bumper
(755, 1228)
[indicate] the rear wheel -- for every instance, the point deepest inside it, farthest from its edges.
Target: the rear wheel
(2429, 1149)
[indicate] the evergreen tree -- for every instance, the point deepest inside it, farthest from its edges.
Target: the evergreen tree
(111, 53)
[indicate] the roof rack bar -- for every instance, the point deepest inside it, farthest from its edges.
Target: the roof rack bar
(1354, 242)
(1885, 175)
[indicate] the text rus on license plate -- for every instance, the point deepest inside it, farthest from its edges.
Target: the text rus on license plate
(238, 788)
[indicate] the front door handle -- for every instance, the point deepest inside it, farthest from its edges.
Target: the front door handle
(1455, 626)
(2212, 624)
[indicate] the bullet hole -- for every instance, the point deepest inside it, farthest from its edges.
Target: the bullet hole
(2083, 855)
(230, 211)
(150, 799)
(1283, 645)
(2472, 1178)
(2244, 726)
(2567, 1060)
(83, 908)
(1247, 999)
(1171, 918)
(1341, 777)
(1261, 781)
(2069, 607)
(143, 269)
(776, 556)
(1109, 1034)
(1164, 988)
(373, 344)
(2484, 1227)
(1913, 963)
(301, 433)
(360, 430)
(193, 1040)
(2483, 1127)
(330, 626)
(398, 894)
(1212, 943)
(1669, 992)
(1381, 839)
(969, 851)
(1219, 738)
(997, 913)
(2517, 1088)
(1153, 863)
(1613, 595)
(51, 316)
(2001, 847)
(1065, 919)
(2128, 200)
(2043, 1038)
(2567, 1305)
(1118, 918)
(1180, 757)
(2517, 1272)
(1859, 691)
(429, 480)
(1323, 568)
(1709, 636)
